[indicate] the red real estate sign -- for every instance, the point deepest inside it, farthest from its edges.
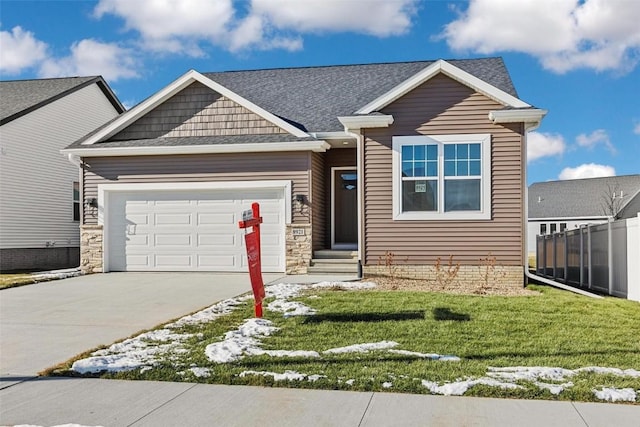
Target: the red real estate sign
(253, 219)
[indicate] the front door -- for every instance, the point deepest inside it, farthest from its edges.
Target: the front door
(344, 202)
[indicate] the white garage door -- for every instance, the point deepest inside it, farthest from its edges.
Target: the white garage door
(191, 230)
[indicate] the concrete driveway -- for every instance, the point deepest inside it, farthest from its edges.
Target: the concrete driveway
(47, 323)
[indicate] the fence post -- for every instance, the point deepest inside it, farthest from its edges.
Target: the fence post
(566, 257)
(610, 254)
(589, 250)
(581, 257)
(555, 255)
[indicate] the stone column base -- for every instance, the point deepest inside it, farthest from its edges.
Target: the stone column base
(298, 248)
(91, 255)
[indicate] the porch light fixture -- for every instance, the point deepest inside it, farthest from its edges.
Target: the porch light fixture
(91, 202)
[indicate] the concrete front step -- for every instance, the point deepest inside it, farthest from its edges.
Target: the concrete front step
(315, 261)
(335, 254)
(333, 268)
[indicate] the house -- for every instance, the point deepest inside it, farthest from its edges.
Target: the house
(555, 206)
(419, 159)
(39, 188)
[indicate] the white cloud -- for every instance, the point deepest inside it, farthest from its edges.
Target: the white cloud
(90, 57)
(544, 145)
(588, 170)
(596, 137)
(636, 129)
(180, 26)
(20, 50)
(172, 25)
(562, 34)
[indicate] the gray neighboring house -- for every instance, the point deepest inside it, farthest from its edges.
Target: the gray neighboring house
(39, 188)
(559, 205)
(423, 159)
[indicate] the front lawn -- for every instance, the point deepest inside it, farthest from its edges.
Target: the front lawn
(555, 345)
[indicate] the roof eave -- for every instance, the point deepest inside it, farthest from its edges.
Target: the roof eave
(315, 146)
(361, 121)
(531, 117)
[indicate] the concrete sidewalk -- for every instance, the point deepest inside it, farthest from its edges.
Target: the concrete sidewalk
(93, 402)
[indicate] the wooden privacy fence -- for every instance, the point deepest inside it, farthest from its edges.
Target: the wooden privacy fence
(602, 257)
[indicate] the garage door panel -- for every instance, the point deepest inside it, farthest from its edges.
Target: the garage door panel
(191, 230)
(173, 260)
(216, 219)
(216, 240)
(217, 261)
(172, 240)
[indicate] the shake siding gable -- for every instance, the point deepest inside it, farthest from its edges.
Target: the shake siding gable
(444, 106)
(198, 111)
(293, 166)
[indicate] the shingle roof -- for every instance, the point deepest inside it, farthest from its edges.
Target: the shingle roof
(196, 140)
(313, 97)
(19, 97)
(579, 197)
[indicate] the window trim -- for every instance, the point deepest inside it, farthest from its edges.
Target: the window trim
(74, 201)
(441, 140)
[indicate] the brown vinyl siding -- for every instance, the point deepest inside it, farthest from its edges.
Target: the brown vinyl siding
(292, 166)
(318, 200)
(444, 106)
(197, 111)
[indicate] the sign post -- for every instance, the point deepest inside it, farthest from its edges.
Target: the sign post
(252, 218)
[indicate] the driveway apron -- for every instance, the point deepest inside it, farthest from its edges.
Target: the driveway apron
(44, 324)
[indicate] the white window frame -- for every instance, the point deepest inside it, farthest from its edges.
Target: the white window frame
(441, 140)
(74, 201)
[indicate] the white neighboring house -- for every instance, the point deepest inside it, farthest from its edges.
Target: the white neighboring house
(40, 203)
(555, 206)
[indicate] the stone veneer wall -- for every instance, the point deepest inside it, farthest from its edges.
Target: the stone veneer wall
(91, 249)
(468, 275)
(298, 249)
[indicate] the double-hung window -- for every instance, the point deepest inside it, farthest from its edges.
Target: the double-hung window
(442, 177)
(76, 201)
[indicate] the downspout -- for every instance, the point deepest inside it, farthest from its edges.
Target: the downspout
(529, 127)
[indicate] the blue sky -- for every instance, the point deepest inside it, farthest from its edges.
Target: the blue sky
(579, 59)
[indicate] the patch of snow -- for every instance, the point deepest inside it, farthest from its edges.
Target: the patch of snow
(555, 389)
(459, 388)
(350, 382)
(362, 348)
(315, 377)
(286, 376)
(347, 286)
(530, 373)
(56, 274)
(211, 313)
(616, 394)
(200, 372)
(283, 290)
(288, 353)
(290, 308)
(387, 385)
(610, 371)
(432, 356)
(240, 342)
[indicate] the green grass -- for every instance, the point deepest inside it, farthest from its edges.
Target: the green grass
(554, 329)
(13, 280)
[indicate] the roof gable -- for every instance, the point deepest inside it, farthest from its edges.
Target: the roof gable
(579, 198)
(451, 71)
(192, 76)
(197, 111)
(20, 97)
